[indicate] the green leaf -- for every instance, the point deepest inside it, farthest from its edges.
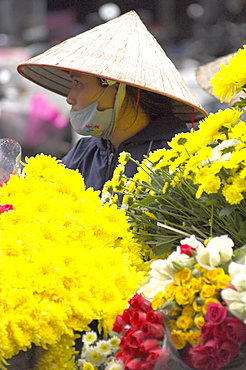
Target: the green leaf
(226, 211)
(165, 247)
(239, 253)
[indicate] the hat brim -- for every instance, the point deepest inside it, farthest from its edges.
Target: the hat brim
(121, 50)
(207, 71)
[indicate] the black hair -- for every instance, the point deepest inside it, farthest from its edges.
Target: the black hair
(154, 105)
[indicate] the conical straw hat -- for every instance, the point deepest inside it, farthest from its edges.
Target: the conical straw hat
(121, 49)
(207, 71)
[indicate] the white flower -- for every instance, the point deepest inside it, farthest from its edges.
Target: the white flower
(89, 337)
(236, 268)
(192, 242)
(93, 356)
(238, 310)
(115, 365)
(160, 270)
(104, 347)
(227, 144)
(208, 259)
(223, 245)
(114, 342)
(153, 287)
(230, 295)
(218, 250)
(239, 281)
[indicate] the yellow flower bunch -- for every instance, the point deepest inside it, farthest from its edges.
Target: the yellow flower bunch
(66, 259)
(231, 78)
(186, 299)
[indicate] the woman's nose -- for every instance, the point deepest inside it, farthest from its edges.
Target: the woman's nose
(70, 98)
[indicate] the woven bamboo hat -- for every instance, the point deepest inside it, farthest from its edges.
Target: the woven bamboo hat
(207, 71)
(121, 49)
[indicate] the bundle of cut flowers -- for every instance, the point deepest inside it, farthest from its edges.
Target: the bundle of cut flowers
(142, 333)
(203, 303)
(99, 353)
(198, 186)
(66, 260)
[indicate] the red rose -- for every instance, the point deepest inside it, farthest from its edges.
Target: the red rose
(152, 330)
(216, 313)
(158, 355)
(120, 326)
(186, 249)
(235, 329)
(147, 365)
(135, 337)
(6, 208)
(127, 351)
(127, 314)
(149, 344)
(138, 317)
(155, 316)
(138, 302)
(134, 364)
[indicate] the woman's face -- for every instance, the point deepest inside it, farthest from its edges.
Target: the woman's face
(86, 89)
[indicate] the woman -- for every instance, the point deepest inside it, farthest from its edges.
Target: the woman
(125, 95)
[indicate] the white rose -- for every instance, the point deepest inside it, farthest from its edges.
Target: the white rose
(239, 281)
(222, 245)
(230, 295)
(162, 269)
(208, 259)
(153, 287)
(238, 310)
(236, 268)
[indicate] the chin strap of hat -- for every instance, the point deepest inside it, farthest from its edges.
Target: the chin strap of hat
(138, 97)
(193, 118)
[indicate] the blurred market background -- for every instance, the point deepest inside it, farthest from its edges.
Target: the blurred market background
(192, 33)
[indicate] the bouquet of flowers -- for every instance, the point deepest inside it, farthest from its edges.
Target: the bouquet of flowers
(66, 260)
(196, 191)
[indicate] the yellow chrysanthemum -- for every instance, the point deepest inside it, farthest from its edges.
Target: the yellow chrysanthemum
(67, 261)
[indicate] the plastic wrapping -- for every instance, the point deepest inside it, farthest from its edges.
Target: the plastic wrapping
(10, 155)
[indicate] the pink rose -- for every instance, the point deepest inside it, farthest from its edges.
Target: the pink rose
(149, 344)
(155, 317)
(186, 249)
(207, 331)
(138, 317)
(216, 313)
(6, 208)
(152, 330)
(235, 329)
(226, 351)
(138, 302)
(203, 359)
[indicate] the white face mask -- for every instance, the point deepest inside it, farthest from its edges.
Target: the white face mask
(90, 121)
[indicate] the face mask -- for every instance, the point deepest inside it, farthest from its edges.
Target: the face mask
(90, 121)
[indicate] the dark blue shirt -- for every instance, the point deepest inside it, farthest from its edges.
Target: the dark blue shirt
(96, 159)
